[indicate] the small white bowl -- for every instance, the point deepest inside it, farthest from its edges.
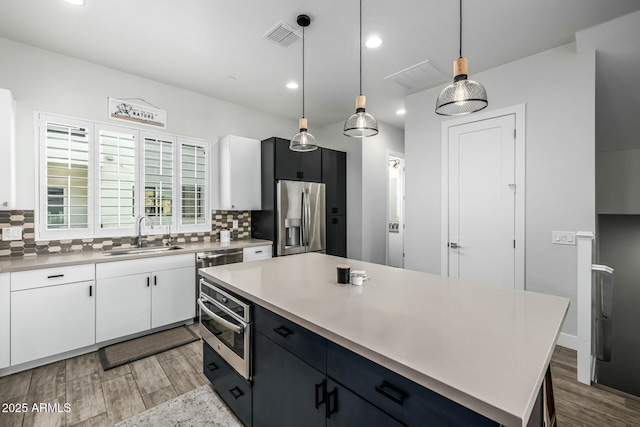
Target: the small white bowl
(357, 280)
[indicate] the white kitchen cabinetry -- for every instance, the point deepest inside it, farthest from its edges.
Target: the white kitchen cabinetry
(7, 146)
(238, 185)
(142, 294)
(256, 253)
(5, 320)
(52, 311)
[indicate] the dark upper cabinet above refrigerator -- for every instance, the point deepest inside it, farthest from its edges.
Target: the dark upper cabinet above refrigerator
(295, 166)
(334, 175)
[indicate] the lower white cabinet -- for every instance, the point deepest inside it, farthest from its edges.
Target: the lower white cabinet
(5, 320)
(50, 320)
(123, 306)
(138, 295)
(173, 296)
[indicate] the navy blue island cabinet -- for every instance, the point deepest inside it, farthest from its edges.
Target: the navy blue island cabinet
(301, 379)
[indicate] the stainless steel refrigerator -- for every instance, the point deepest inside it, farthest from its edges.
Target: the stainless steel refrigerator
(300, 217)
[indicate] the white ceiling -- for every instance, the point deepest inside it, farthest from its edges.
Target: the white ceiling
(199, 44)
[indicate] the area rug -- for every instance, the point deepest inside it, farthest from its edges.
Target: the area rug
(138, 348)
(199, 407)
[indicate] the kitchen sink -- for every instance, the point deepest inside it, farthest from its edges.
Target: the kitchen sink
(150, 250)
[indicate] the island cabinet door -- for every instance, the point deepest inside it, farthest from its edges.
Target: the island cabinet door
(398, 396)
(346, 409)
(286, 390)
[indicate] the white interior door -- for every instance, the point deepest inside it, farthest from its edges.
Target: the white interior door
(481, 198)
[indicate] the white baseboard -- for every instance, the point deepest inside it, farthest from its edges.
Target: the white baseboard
(568, 341)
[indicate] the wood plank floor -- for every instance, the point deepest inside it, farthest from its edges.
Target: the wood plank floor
(582, 405)
(100, 398)
(97, 397)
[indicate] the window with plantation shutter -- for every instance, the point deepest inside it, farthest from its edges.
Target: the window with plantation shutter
(117, 180)
(96, 180)
(194, 208)
(65, 209)
(158, 179)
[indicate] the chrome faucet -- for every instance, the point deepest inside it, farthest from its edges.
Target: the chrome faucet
(140, 219)
(170, 239)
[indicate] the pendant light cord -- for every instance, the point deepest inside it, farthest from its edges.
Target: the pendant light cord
(361, 47)
(460, 28)
(303, 72)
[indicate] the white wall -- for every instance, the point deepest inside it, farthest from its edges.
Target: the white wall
(46, 81)
(366, 186)
(558, 88)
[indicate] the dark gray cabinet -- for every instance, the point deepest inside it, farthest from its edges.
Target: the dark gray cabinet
(293, 165)
(336, 237)
(231, 387)
(334, 175)
(287, 390)
(347, 409)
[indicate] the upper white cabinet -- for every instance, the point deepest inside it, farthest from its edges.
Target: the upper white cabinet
(7, 193)
(237, 182)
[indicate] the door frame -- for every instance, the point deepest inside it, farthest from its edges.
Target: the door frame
(399, 155)
(519, 111)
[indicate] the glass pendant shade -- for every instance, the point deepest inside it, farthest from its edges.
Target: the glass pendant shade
(461, 97)
(361, 124)
(303, 140)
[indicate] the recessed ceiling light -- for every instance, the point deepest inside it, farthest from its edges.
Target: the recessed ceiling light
(292, 85)
(401, 112)
(373, 42)
(75, 2)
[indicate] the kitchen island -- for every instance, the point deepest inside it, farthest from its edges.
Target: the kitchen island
(483, 347)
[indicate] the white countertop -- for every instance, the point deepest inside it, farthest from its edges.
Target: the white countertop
(8, 264)
(483, 346)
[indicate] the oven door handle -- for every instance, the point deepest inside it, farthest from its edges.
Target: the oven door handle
(235, 328)
(220, 255)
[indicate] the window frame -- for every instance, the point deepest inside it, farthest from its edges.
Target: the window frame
(93, 229)
(120, 231)
(188, 228)
(43, 233)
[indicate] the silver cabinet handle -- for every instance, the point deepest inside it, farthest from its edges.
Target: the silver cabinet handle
(454, 245)
(235, 328)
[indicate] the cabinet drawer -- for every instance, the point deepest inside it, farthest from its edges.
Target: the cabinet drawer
(303, 343)
(405, 400)
(257, 252)
(32, 279)
(235, 392)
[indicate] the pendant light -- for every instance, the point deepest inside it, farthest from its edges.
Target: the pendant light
(463, 96)
(303, 140)
(361, 124)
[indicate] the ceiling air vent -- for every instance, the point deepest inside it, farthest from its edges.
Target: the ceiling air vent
(423, 75)
(283, 34)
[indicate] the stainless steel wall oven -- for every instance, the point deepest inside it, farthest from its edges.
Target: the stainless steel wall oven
(225, 324)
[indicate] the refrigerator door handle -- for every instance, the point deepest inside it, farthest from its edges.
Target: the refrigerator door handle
(308, 219)
(303, 226)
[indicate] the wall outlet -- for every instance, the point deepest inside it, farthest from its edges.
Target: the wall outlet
(11, 233)
(564, 238)
(235, 223)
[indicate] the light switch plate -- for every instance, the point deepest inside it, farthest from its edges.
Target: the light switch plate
(235, 223)
(563, 238)
(11, 233)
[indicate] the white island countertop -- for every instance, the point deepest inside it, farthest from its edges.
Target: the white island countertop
(482, 346)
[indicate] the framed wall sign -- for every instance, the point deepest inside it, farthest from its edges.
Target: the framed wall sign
(128, 111)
